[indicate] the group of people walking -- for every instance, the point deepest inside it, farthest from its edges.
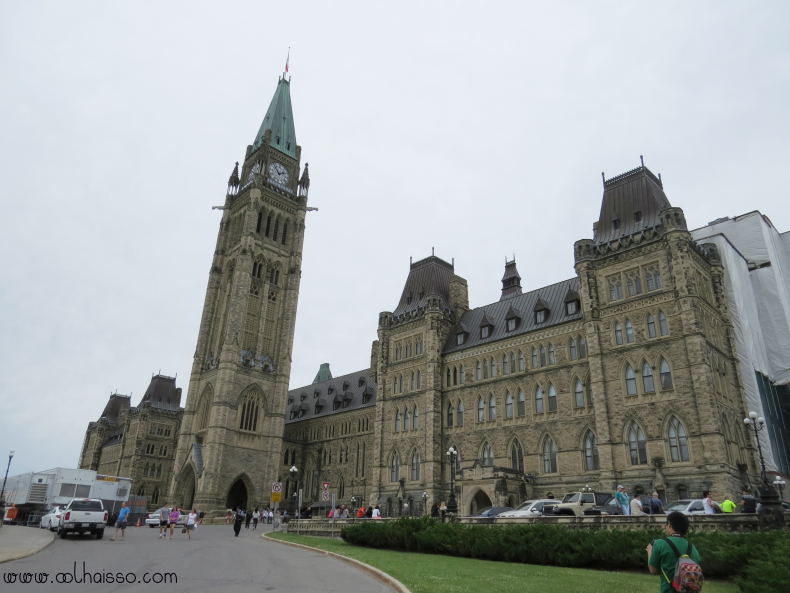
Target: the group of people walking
(241, 517)
(635, 506)
(364, 512)
(168, 518)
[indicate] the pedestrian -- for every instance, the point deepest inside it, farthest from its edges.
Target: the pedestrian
(191, 523)
(663, 554)
(343, 512)
(256, 515)
(361, 512)
(708, 503)
(636, 506)
(655, 504)
(228, 517)
(748, 502)
(164, 519)
(728, 506)
(248, 518)
(331, 513)
(238, 521)
(120, 523)
(201, 514)
(443, 509)
(271, 516)
(434, 509)
(369, 512)
(174, 515)
(622, 500)
(377, 512)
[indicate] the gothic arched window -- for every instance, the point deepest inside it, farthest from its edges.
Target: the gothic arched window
(415, 423)
(508, 406)
(517, 456)
(591, 460)
(505, 365)
(618, 333)
(488, 454)
(549, 456)
(460, 414)
(542, 356)
(551, 354)
(478, 374)
(461, 375)
(395, 468)
(450, 415)
(629, 332)
(285, 232)
(630, 380)
(637, 445)
(539, 400)
(647, 378)
(572, 348)
(406, 418)
(248, 419)
(520, 404)
(481, 410)
(520, 361)
(666, 375)
(552, 399)
(397, 421)
(491, 408)
(662, 324)
(678, 443)
(582, 348)
(579, 393)
(415, 466)
(651, 326)
(534, 358)
(485, 368)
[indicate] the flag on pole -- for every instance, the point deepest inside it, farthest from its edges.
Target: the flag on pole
(287, 59)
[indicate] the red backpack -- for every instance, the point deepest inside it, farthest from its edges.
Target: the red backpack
(688, 574)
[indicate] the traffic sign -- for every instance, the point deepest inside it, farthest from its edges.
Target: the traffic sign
(277, 487)
(326, 487)
(276, 497)
(325, 495)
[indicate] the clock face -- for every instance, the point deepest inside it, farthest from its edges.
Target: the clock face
(278, 173)
(255, 169)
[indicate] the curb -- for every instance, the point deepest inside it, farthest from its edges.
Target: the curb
(377, 574)
(27, 553)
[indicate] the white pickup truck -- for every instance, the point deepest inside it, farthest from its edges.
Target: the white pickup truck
(83, 515)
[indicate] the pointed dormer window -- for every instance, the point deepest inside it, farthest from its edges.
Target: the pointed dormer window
(361, 381)
(512, 319)
(541, 311)
(615, 223)
(486, 327)
(638, 216)
(461, 334)
(572, 302)
(278, 140)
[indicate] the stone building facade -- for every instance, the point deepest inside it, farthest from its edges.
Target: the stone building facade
(624, 374)
(138, 442)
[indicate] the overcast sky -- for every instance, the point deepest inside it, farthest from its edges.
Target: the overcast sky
(477, 128)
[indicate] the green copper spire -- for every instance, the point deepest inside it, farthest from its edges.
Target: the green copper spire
(324, 374)
(280, 120)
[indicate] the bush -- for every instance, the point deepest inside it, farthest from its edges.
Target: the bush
(745, 555)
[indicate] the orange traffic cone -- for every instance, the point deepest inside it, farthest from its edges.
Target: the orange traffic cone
(138, 521)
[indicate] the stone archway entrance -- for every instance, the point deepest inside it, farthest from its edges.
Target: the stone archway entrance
(479, 502)
(185, 494)
(237, 495)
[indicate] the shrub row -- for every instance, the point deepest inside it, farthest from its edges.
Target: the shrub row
(754, 557)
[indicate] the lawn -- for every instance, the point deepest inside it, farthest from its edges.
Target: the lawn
(426, 573)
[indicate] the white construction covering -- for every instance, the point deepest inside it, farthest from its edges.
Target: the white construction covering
(756, 260)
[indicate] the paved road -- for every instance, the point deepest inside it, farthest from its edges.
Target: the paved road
(213, 560)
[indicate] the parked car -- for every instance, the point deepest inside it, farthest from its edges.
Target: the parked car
(610, 507)
(491, 512)
(529, 508)
(51, 519)
(83, 515)
(688, 507)
(152, 519)
(575, 503)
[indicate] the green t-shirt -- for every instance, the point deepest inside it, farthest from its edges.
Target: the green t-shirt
(728, 506)
(664, 559)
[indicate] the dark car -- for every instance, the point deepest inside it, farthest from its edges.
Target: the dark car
(490, 512)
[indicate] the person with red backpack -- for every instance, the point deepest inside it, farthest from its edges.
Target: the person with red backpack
(674, 559)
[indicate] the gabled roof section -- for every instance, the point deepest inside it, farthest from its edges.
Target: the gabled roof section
(280, 120)
(461, 328)
(513, 313)
(631, 203)
(572, 295)
(551, 296)
(323, 374)
(114, 406)
(541, 305)
(511, 281)
(427, 277)
(162, 393)
(360, 386)
(486, 320)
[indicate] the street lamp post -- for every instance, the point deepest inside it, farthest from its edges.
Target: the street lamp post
(768, 495)
(2, 492)
(425, 502)
(452, 504)
(353, 507)
(779, 483)
(294, 471)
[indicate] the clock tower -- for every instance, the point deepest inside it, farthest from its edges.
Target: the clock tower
(231, 435)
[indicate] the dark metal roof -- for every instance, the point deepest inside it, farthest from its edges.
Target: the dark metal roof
(279, 119)
(552, 296)
(511, 281)
(113, 407)
(357, 385)
(162, 393)
(637, 194)
(429, 276)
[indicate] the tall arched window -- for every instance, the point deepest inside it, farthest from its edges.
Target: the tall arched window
(552, 399)
(481, 410)
(551, 354)
(488, 454)
(342, 489)
(159, 471)
(415, 466)
(485, 368)
(508, 405)
(542, 356)
(397, 421)
(145, 471)
(539, 400)
(450, 415)
(491, 408)
(512, 363)
(415, 423)
(478, 373)
(678, 443)
(582, 348)
(460, 413)
(579, 393)
(155, 496)
(413, 382)
(591, 460)
(505, 365)
(662, 324)
(285, 232)
(637, 445)
(629, 332)
(493, 369)
(549, 456)
(517, 456)
(630, 380)
(406, 418)
(248, 419)
(520, 361)
(276, 228)
(666, 375)
(395, 468)
(618, 333)
(572, 348)
(534, 358)
(651, 326)
(647, 378)
(461, 375)
(419, 380)
(204, 411)
(455, 376)
(521, 408)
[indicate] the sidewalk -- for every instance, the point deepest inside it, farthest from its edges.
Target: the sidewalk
(18, 541)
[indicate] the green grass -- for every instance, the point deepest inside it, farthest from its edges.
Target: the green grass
(427, 573)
